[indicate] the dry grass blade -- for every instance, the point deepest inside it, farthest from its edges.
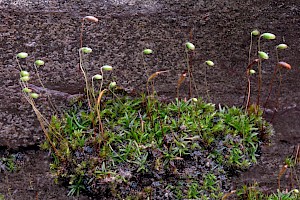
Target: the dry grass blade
(154, 75)
(251, 64)
(285, 66)
(249, 67)
(181, 79)
(43, 123)
(297, 157)
(228, 194)
(100, 96)
(98, 111)
(281, 172)
(179, 82)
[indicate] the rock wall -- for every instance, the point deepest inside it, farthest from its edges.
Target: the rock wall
(220, 30)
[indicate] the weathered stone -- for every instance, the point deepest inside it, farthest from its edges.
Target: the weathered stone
(50, 30)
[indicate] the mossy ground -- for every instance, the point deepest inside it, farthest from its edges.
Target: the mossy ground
(149, 149)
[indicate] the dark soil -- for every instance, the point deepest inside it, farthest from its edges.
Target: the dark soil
(220, 29)
(33, 181)
(284, 144)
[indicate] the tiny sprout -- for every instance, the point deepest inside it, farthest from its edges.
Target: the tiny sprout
(112, 85)
(194, 99)
(190, 46)
(284, 65)
(255, 32)
(268, 36)
(24, 73)
(147, 51)
(39, 62)
(34, 95)
(86, 50)
(27, 90)
(22, 55)
(210, 63)
(263, 55)
(106, 68)
(252, 71)
(25, 78)
(97, 77)
(91, 18)
(282, 46)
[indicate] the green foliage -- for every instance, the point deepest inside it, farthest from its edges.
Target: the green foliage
(143, 138)
(253, 193)
(193, 191)
(76, 186)
(8, 164)
(107, 145)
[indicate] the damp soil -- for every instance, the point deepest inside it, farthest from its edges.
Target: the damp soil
(50, 30)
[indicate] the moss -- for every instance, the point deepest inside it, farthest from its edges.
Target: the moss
(145, 139)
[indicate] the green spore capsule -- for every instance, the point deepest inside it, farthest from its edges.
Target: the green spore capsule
(255, 32)
(210, 63)
(22, 55)
(97, 77)
(112, 85)
(263, 55)
(190, 46)
(194, 99)
(39, 62)
(86, 50)
(34, 95)
(25, 78)
(147, 51)
(24, 73)
(282, 46)
(268, 36)
(27, 90)
(106, 68)
(252, 71)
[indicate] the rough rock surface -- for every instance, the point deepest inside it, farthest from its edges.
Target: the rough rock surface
(220, 30)
(50, 30)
